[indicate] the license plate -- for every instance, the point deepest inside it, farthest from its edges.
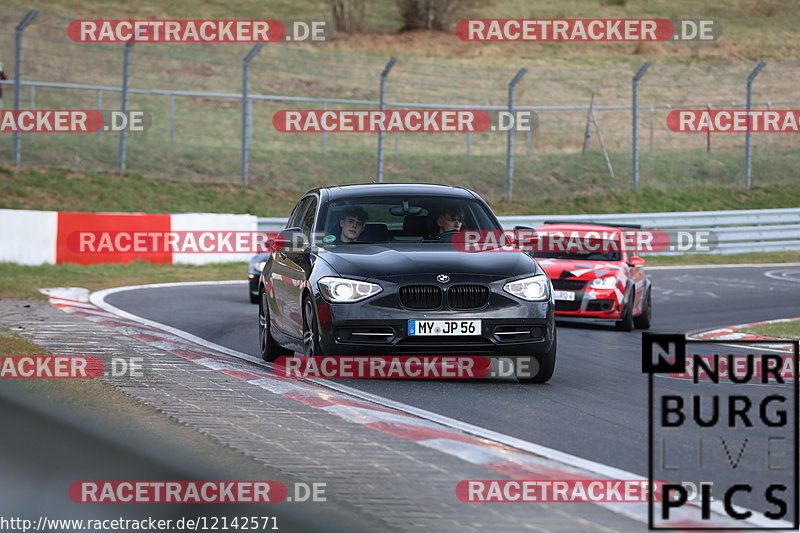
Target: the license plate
(444, 327)
(568, 296)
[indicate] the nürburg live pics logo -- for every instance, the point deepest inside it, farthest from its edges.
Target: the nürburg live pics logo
(722, 441)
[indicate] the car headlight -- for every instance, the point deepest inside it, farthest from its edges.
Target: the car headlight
(609, 282)
(343, 290)
(535, 289)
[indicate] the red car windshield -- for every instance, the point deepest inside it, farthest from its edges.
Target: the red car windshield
(581, 256)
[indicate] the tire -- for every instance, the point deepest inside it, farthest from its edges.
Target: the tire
(311, 345)
(626, 323)
(547, 365)
(643, 321)
(252, 290)
(270, 350)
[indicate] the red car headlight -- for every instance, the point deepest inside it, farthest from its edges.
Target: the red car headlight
(608, 282)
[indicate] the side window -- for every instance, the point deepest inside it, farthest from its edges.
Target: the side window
(308, 216)
(297, 212)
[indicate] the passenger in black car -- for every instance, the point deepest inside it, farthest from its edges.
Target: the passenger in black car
(352, 224)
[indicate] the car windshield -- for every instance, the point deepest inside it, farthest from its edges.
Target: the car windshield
(372, 219)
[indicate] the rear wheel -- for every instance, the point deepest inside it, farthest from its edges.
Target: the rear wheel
(626, 323)
(310, 330)
(643, 321)
(270, 350)
(540, 368)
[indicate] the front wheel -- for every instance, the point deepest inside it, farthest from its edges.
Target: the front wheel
(643, 321)
(270, 350)
(541, 368)
(626, 322)
(311, 345)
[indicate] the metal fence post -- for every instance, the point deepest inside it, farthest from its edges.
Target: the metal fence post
(100, 108)
(245, 167)
(123, 134)
(249, 123)
(766, 134)
(635, 109)
(396, 139)
(384, 74)
(324, 133)
(172, 119)
(510, 139)
(529, 141)
(33, 100)
(750, 78)
(18, 75)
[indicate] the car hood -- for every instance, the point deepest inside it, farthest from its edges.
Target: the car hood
(584, 270)
(400, 260)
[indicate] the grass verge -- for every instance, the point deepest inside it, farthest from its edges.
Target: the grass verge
(545, 184)
(719, 259)
(18, 281)
(13, 344)
(779, 330)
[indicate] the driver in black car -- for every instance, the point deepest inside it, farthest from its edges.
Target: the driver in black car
(450, 219)
(352, 224)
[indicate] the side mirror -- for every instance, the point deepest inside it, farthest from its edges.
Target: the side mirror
(294, 241)
(636, 261)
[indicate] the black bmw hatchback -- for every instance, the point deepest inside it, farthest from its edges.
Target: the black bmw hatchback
(373, 270)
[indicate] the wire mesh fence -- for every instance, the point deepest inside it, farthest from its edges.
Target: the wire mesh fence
(193, 92)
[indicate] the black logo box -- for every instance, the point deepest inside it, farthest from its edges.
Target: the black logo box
(662, 366)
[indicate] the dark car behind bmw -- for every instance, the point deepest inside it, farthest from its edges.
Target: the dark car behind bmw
(401, 287)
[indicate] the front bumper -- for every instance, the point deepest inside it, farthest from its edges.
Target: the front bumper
(593, 303)
(515, 328)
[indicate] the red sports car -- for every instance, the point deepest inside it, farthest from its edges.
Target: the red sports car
(598, 282)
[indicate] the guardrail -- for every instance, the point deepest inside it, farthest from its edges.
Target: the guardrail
(742, 231)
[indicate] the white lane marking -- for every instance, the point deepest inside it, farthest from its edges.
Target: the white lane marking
(78, 294)
(98, 299)
(743, 265)
(784, 275)
(279, 386)
(361, 415)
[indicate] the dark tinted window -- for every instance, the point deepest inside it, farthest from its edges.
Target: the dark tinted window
(308, 216)
(297, 213)
(404, 218)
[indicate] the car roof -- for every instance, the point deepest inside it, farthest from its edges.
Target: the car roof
(363, 189)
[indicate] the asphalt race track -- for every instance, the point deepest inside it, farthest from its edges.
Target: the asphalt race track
(595, 406)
